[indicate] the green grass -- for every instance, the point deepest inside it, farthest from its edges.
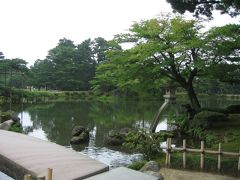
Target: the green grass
(228, 133)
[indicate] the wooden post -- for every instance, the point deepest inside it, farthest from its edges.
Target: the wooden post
(184, 153)
(239, 161)
(166, 162)
(202, 156)
(50, 171)
(169, 154)
(219, 157)
(27, 177)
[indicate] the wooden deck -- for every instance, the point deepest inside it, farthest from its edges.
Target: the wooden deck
(21, 154)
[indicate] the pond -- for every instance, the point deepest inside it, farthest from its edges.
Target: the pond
(54, 122)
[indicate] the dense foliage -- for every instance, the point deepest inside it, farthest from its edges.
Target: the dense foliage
(69, 66)
(168, 49)
(205, 7)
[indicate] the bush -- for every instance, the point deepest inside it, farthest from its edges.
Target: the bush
(137, 165)
(207, 119)
(145, 143)
(4, 116)
(16, 128)
(234, 109)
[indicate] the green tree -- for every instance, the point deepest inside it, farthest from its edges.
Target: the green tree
(205, 7)
(68, 66)
(1, 55)
(40, 74)
(175, 49)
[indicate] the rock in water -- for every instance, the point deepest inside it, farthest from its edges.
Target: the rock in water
(117, 138)
(80, 135)
(77, 130)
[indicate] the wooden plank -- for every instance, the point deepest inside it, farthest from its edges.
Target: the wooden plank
(211, 152)
(239, 161)
(27, 177)
(219, 157)
(184, 153)
(202, 155)
(230, 153)
(169, 154)
(193, 150)
(166, 161)
(50, 173)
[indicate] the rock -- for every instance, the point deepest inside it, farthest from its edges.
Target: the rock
(114, 141)
(80, 135)
(77, 130)
(124, 131)
(150, 166)
(6, 124)
(16, 119)
(116, 138)
(82, 138)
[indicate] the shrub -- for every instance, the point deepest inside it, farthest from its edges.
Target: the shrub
(16, 128)
(137, 165)
(207, 119)
(145, 143)
(234, 108)
(4, 116)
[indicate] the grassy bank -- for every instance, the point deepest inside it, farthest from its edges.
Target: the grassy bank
(34, 96)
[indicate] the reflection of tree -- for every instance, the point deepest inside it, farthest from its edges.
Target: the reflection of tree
(119, 115)
(58, 120)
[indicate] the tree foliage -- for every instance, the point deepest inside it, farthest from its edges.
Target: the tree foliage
(69, 66)
(205, 7)
(169, 49)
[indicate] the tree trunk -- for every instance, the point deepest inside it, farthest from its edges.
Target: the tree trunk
(193, 97)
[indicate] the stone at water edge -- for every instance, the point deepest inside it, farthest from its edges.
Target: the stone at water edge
(82, 138)
(152, 168)
(117, 137)
(80, 135)
(6, 124)
(16, 119)
(77, 130)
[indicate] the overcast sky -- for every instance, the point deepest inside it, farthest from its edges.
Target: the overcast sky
(29, 28)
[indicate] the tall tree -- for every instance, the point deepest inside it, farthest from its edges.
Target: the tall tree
(1, 55)
(40, 75)
(176, 49)
(205, 7)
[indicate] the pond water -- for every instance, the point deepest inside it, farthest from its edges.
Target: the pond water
(54, 122)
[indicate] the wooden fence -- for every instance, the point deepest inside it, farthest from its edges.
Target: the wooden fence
(169, 149)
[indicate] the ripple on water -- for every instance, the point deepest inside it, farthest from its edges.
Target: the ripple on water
(111, 157)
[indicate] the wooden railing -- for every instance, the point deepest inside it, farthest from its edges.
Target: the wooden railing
(169, 150)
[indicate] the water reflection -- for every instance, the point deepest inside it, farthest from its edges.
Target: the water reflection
(55, 121)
